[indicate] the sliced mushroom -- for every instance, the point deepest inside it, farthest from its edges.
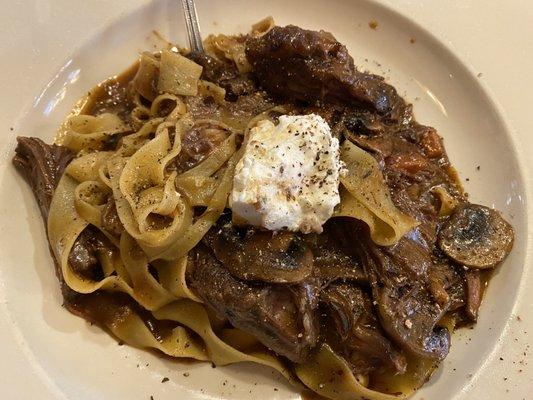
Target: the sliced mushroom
(476, 236)
(407, 311)
(254, 255)
(410, 316)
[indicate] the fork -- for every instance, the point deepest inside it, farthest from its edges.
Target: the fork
(193, 27)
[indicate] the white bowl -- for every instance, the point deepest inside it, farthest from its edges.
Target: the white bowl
(63, 48)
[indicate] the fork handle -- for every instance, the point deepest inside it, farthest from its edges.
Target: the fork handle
(193, 27)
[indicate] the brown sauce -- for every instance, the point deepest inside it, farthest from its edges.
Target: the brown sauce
(110, 96)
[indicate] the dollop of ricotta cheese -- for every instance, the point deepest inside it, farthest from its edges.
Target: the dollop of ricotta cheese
(288, 177)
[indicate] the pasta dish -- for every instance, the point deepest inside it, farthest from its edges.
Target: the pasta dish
(265, 201)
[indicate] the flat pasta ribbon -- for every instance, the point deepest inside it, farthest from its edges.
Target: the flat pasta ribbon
(365, 196)
(88, 132)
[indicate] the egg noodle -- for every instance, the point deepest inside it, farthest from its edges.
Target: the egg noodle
(166, 212)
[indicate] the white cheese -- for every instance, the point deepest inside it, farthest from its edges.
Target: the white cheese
(288, 177)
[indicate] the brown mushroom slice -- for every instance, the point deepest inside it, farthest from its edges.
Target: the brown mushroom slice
(254, 255)
(410, 317)
(476, 236)
(407, 311)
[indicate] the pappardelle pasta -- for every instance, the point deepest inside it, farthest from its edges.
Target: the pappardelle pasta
(147, 244)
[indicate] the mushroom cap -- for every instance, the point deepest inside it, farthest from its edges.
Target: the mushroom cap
(476, 236)
(280, 257)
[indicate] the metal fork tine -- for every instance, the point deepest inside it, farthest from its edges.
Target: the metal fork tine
(193, 27)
